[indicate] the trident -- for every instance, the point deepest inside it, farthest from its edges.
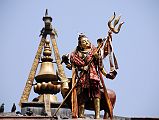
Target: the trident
(116, 21)
(113, 29)
(109, 48)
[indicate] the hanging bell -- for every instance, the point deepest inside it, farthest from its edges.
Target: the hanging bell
(46, 73)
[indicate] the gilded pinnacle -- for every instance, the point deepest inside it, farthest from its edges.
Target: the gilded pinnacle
(47, 52)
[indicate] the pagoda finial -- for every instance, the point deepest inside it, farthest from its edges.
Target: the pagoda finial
(46, 13)
(47, 52)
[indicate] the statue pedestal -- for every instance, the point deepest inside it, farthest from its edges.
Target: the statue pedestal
(38, 108)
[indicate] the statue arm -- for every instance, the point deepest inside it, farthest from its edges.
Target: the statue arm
(69, 59)
(65, 59)
(111, 75)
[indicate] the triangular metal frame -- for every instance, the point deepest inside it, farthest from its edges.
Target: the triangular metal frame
(27, 89)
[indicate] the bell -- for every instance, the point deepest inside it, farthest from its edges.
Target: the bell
(46, 73)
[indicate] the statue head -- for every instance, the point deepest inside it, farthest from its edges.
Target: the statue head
(83, 42)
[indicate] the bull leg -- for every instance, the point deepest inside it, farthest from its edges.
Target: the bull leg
(112, 97)
(105, 114)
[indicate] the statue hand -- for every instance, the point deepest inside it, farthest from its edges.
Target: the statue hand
(65, 59)
(111, 75)
(69, 66)
(96, 55)
(85, 68)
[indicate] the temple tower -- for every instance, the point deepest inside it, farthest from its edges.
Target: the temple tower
(48, 82)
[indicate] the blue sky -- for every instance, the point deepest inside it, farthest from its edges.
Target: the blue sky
(136, 46)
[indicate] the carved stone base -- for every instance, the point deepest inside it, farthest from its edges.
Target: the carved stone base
(37, 108)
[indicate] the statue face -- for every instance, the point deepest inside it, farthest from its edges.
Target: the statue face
(85, 44)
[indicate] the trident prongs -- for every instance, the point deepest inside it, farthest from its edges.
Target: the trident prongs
(112, 27)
